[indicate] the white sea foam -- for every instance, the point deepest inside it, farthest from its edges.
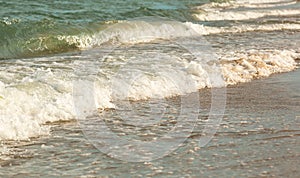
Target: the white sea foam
(258, 9)
(34, 92)
(265, 1)
(27, 106)
(246, 66)
(135, 31)
(250, 28)
(244, 15)
(248, 3)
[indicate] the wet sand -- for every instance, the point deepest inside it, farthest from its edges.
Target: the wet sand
(258, 137)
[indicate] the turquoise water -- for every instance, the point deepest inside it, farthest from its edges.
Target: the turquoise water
(80, 12)
(36, 28)
(92, 11)
(24, 23)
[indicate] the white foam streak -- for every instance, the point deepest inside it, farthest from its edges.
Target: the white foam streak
(265, 1)
(249, 28)
(234, 10)
(243, 15)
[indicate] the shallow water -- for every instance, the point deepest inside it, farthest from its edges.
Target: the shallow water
(258, 136)
(97, 89)
(45, 47)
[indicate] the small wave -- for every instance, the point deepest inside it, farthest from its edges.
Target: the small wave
(128, 32)
(245, 10)
(48, 92)
(29, 39)
(47, 88)
(134, 31)
(45, 84)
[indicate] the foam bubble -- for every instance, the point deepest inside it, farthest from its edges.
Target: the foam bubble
(244, 67)
(46, 95)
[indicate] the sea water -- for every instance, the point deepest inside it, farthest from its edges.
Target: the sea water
(64, 60)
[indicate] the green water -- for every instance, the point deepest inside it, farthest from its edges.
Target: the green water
(31, 28)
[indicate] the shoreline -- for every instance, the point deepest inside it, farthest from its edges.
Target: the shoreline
(256, 136)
